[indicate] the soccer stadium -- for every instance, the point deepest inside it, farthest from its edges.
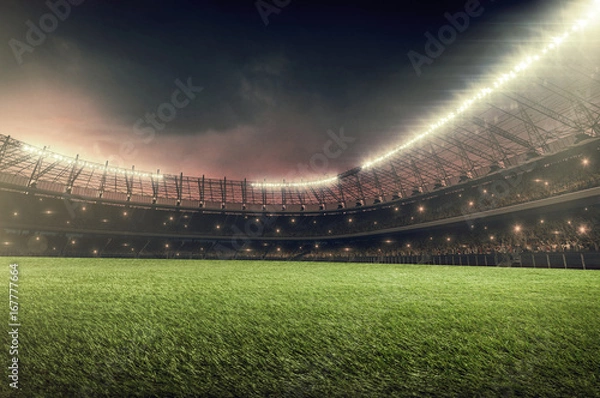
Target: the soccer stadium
(457, 263)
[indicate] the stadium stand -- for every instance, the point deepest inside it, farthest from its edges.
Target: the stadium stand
(521, 216)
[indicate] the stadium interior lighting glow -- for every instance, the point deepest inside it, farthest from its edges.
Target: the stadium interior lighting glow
(302, 184)
(88, 165)
(554, 43)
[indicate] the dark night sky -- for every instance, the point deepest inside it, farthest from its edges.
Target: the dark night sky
(270, 93)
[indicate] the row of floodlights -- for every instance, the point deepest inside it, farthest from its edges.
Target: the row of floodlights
(301, 184)
(500, 81)
(89, 165)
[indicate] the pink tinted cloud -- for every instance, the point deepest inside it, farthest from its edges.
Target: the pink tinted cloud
(71, 122)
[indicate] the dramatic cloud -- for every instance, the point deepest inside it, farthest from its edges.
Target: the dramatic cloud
(102, 83)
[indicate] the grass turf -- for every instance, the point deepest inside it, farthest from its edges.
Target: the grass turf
(103, 327)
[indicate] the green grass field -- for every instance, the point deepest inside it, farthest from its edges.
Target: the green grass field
(118, 328)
